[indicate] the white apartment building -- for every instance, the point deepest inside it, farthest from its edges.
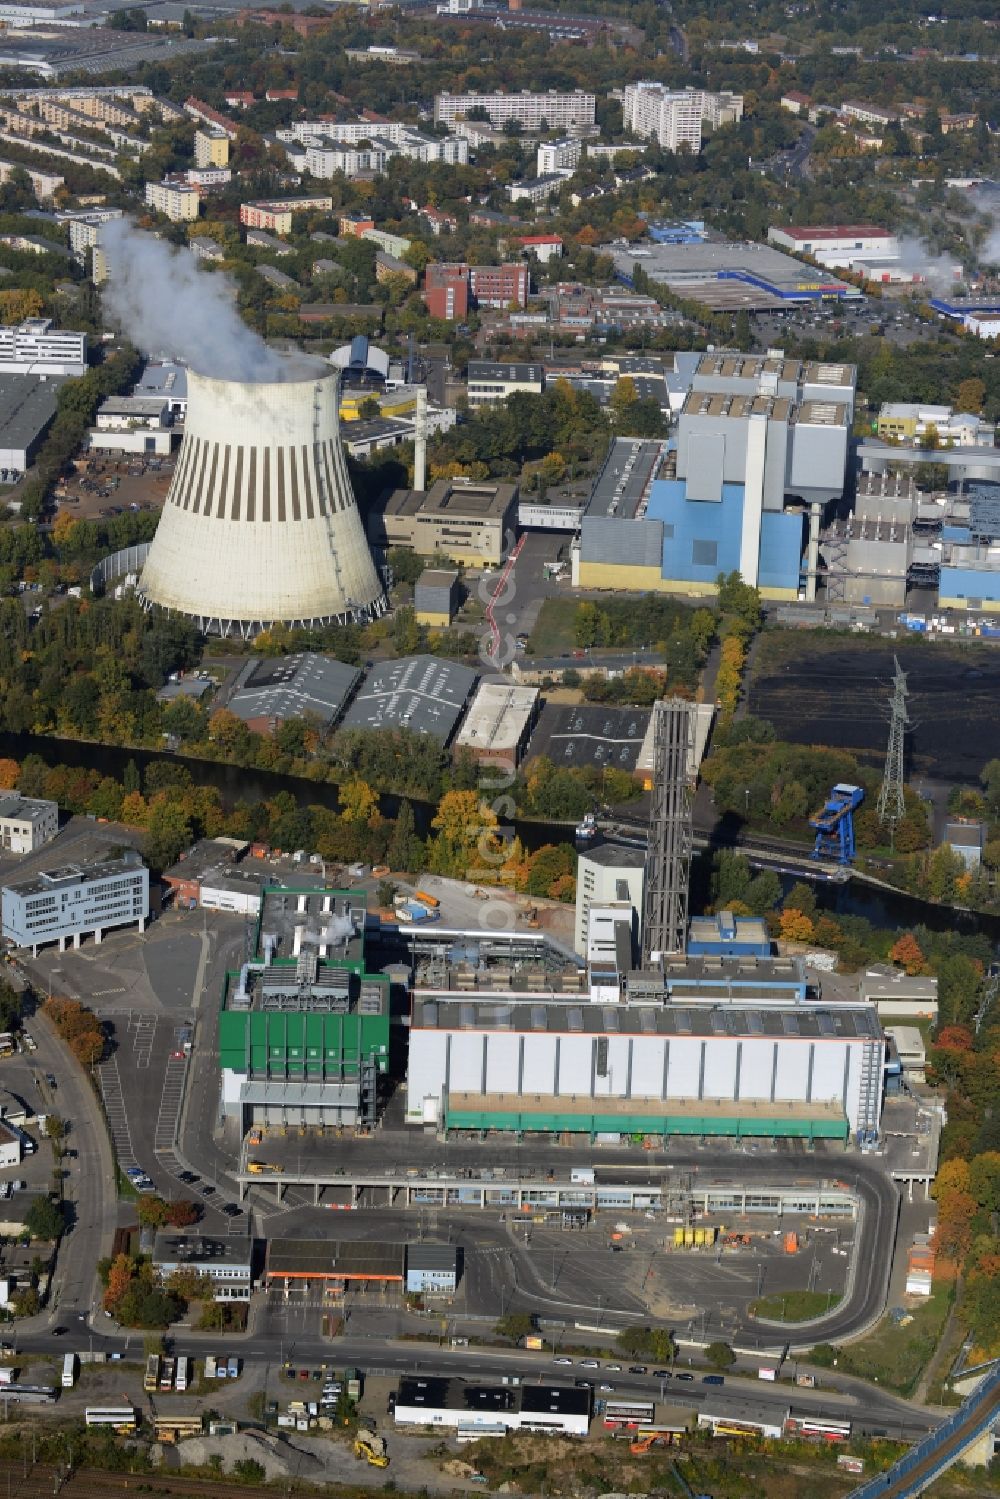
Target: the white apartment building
(26, 823)
(557, 111)
(675, 118)
(535, 189)
(178, 201)
(34, 347)
(558, 156)
(326, 154)
(85, 227)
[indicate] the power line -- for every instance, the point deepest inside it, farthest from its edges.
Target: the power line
(891, 805)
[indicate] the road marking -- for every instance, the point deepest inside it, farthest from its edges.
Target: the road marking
(170, 1103)
(117, 1114)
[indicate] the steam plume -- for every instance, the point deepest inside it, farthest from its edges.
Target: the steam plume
(167, 305)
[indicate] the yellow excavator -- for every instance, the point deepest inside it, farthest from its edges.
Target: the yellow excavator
(371, 1448)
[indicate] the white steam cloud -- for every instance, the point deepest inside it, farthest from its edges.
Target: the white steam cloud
(940, 272)
(166, 304)
(988, 205)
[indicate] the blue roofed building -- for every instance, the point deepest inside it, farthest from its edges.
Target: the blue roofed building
(726, 935)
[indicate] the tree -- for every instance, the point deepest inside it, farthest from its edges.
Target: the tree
(152, 1211)
(740, 599)
(720, 1355)
(182, 1213)
(10, 772)
(906, 952)
(44, 1219)
(970, 395)
(249, 1471)
(358, 802)
(796, 926)
(516, 1326)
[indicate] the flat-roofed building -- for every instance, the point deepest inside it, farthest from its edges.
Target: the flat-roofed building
(334, 1265)
(27, 409)
(898, 995)
(69, 901)
(178, 201)
(35, 347)
(435, 597)
(498, 724)
(26, 823)
(466, 520)
(605, 876)
(836, 245)
(468, 1407)
(226, 1260)
(559, 111)
(431, 1269)
(488, 381)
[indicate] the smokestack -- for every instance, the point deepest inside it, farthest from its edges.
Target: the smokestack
(420, 446)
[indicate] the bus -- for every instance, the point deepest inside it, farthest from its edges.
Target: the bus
(818, 1428)
(123, 1418)
(151, 1380)
(181, 1382)
(628, 1415)
(69, 1371)
(176, 1428)
(167, 1374)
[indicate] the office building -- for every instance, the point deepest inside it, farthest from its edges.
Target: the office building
(488, 382)
(532, 111)
(674, 118)
(226, 1261)
(71, 901)
(34, 347)
(446, 291)
(466, 520)
(431, 1269)
(26, 823)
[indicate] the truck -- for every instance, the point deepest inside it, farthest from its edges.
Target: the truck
(69, 1371)
(260, 1168)
(233, 1368)
(371, 1448)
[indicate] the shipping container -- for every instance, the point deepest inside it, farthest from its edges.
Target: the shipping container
(678, 1238)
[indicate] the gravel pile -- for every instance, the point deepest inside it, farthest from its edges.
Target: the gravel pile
(279, 1459)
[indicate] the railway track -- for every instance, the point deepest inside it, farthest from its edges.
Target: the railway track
(43, 1480)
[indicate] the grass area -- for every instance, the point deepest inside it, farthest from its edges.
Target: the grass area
(554, 634)
(125, 1187)
(794, 1306)
(895, 1355)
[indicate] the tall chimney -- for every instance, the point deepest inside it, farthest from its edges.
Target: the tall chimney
(420, 445)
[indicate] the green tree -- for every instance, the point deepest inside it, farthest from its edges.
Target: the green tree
(515, 1326)
(720, 1355)
(739, 599)
(44, 1219)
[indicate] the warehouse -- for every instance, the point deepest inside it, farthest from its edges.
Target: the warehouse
(268, 692)
(304, 1027)
(717, 1046)
(839, 246)
(27, 407)
(498, 724)
(435, 597)
(424, 694)
(589, 734)
(728, 1416)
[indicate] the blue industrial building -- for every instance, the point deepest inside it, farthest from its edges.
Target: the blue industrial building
(703, 538)
(725, 935)
(678, 232)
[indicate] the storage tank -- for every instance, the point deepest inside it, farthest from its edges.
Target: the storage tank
(260, 524)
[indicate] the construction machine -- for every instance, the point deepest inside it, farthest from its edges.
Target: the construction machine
(371, 1448)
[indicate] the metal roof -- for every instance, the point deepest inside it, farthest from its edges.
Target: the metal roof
(27, 405)
(425, 1256)
(337, 1259)
(292, 686)
(585, 734)
(424, 694)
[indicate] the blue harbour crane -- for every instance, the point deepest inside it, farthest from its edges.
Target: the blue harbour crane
(834, 824)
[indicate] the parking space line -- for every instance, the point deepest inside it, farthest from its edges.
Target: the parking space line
(117, 1114)
(170, 1102)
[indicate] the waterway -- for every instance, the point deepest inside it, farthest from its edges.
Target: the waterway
(884, 908)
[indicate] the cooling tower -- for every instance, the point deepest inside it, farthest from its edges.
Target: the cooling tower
(260, 524)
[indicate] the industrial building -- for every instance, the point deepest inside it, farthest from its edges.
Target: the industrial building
(260, 525)
(674, 118)
(71, 901)
(606, 876)
(726, 277)
(435, 597)
(910, 422)
(35, 348)
(492, 1410)
(838, 246)
(489, 382)
(133, 424)
(469, 521)
(304, 1027)
(591, 734)
(975, 315)
(269, 691)
(27, 409)
(424, 694)
(333, 1265)
(498, 724)
(761, 444)
(26, 823)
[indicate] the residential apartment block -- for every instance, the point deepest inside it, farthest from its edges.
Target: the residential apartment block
(674, 118)
(553, 110)
(179, 201)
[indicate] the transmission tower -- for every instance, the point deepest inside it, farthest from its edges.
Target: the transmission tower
(890, 797)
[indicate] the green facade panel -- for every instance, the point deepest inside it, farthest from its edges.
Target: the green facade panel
(520, 1121)
(298, 1045)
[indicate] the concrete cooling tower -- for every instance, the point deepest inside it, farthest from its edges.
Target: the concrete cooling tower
(260, 524)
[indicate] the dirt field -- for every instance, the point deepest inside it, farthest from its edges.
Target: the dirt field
(91, 492)
(821, 689)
